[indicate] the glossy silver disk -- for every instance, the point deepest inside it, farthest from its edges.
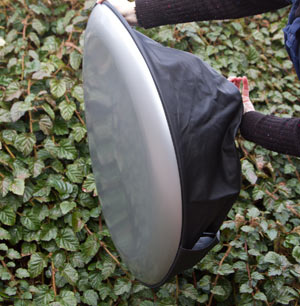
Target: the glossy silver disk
(132, 152)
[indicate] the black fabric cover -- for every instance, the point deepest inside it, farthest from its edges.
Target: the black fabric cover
(204, 112)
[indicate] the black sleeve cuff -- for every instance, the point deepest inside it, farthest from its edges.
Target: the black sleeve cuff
(276, 134)
(152, 13)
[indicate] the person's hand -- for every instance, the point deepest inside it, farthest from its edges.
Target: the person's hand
(248, 106)
(125, 8)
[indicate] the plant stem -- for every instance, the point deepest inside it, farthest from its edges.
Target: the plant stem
(218, 275)
(53, 278)
(9, 151)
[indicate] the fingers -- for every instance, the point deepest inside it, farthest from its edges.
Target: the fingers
(235, 80)
(231, 78)
(245, 91)
(248, 106)
(238, 82)
(100, 1)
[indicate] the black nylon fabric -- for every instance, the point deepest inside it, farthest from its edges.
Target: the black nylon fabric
(204, 112)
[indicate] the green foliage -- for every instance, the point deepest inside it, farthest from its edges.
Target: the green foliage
(55, 248)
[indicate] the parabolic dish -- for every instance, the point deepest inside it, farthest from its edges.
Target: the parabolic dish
(161, 125)
(133, 156)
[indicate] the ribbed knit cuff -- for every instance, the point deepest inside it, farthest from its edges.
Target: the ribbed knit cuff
(151, 13)
(276, 134)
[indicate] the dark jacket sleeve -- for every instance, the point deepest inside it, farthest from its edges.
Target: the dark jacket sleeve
(151, 13)
(281, 135)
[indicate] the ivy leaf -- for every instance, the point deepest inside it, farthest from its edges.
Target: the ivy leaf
(48, 232)
(108, 268)
(17, 186)
(5, 186)
(48, 109)
(91, 297)
(9, 136)
(50, 147)
(13, 91)
(30, 220)
(22, 273)
(122, 286)
(44, 295)
(46, 124)
(5, 116)
(18, 110)
(59, 259)
(88, 4)
(67, 150)
(89, 184)
(43, 192)
(225, 269)
(147, 303)
(252, 55)
(249, 172)
(13, 254)
(257, 276)
(60, 127)
(25, 143)
(74, 173)
(10, 291)
(67, 109)
(67, 240)
(44, 71)
(57, 166)
(2, 42)
(61, 186)
(245, 288)
(58, 87)
(272, 257)
(40, 9)
(79, 132)
(70, 274)
(34, 38)
(19, 171)
(257, 193)
(190, 291)
(5, 159)
(68, 299)
(7, 215)
(90, 248)
(272, 233)
(67, 206)
(104, 290)
(77, 93)
(75, 60)
(253, 212)
(77, 222)
(28, 192)
(95, 280)
(36, 264)
(296, 253)
(37, 168)
(51, 44)
(218, 290)
(4, 234)
(76, 260)
(3, 247)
